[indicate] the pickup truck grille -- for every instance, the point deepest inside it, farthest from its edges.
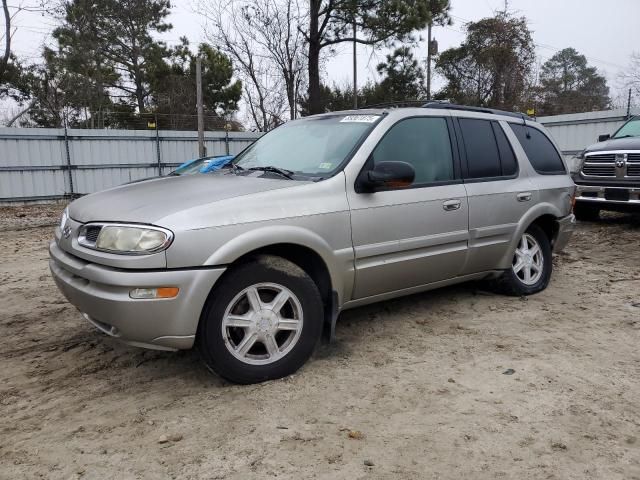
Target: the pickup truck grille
(633, 165)
(602, 158)
(603, 165)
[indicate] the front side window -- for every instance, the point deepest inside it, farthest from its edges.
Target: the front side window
(424, 143)
(542, 154)
(313, 147)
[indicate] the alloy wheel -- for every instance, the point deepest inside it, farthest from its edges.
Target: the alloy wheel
(262, 323)
(528, 261)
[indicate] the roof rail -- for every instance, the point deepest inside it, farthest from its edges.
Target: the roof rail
(396, 104)
(453, 106)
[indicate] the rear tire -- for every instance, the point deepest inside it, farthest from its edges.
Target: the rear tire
(585, 212)
(531, 266)
(261, 322)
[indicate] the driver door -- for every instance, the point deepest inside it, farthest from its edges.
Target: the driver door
(412, 236)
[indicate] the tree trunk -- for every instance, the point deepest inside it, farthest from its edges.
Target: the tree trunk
(7, 40)
(291, 94)
(315, 104)
(140, 93)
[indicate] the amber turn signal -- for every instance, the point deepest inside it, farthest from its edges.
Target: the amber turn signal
(150, 293)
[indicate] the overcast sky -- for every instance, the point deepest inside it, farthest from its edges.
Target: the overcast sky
(606, 32)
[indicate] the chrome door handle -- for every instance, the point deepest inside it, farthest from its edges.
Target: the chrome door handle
(524, 196)
(450, 205)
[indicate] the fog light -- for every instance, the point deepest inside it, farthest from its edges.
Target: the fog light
(160, 292)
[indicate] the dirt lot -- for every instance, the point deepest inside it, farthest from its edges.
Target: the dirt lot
(414, 388)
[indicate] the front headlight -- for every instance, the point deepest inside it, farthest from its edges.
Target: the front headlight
(63, 218)
(575, 163)
(125, 239)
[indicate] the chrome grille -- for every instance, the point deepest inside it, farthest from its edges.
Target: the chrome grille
(88, 235)
(91, 233)
(633, 157)
(599, 165)
(633, 169)
(602, 158)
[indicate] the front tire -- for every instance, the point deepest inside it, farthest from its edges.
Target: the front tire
(531, 267)
(261, 322)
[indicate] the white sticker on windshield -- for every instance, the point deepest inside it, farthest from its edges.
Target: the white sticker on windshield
(360, 118)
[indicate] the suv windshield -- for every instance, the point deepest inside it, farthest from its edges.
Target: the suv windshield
(629, 129)
(310, 147)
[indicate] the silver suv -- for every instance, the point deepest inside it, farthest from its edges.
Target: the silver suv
(255, 262)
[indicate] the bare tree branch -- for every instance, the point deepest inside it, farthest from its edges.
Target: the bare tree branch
(21, 112)
(264, 39)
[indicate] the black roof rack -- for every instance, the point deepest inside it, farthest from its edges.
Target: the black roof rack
(398, 104)
(445, 106)
(453, 106)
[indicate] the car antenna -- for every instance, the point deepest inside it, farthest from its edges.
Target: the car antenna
(526, 127)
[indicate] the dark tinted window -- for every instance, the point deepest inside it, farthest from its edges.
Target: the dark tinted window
(507, 157)
(483, 159)
(542, 154)
(424, 143)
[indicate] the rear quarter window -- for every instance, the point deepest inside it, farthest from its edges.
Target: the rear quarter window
(542, 154)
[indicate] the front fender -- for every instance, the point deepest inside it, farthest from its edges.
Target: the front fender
(339, 263)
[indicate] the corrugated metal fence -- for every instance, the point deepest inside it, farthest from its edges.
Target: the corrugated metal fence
(41, 164)
(575, 131)
(46, 164)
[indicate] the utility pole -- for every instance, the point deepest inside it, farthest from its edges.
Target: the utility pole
(201, 149)
(429, 61)
(629, 106)
(355, 64)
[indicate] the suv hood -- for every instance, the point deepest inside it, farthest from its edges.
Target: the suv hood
(151, 200)
(631, 143)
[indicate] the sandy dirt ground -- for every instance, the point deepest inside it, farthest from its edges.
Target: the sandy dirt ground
(417, 388)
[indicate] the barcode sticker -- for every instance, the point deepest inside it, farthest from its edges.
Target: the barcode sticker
(360, 118)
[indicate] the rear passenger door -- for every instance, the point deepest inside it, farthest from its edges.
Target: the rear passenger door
(498, 191)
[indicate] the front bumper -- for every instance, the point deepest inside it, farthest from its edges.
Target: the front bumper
(597, 195)
(566, 225)
(102, 295)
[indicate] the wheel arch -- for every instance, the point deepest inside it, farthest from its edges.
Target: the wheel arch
(302, 247)
(546, 216)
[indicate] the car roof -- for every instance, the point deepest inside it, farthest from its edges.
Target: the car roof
(432, 105)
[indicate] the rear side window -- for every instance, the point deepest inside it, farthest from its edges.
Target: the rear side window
(483, 158)
(507, 157)
(542, 154)
(422, 142)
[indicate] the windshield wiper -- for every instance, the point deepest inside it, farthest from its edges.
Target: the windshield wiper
(234, 168)
(280, 171)
(626, 136)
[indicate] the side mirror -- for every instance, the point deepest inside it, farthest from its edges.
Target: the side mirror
(604, 138)
(387, 175)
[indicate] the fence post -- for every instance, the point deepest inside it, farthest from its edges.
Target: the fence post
(66, 146)
(158, 148)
